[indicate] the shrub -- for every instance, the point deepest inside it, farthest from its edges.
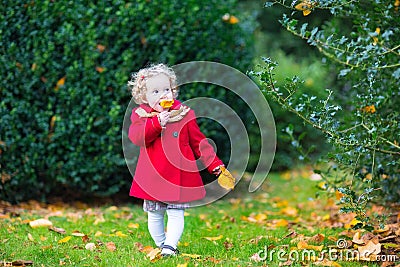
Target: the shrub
(63, 93)
(363, 124)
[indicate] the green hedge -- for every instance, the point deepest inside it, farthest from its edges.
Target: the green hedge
(64, 68)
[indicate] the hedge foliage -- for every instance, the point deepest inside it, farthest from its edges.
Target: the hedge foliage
(64, 68)
(360, 116)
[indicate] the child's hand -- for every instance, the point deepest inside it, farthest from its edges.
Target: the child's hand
(163, 118)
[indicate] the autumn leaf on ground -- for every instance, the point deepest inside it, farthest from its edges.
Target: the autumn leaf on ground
(40, 223)
(133, 225)
(193, 256)
(111, 246)
(57, 230)
(304, 245)
(290, 211)
(120, 234)
(77, 233)
(90, 246)
(370, 249)
(255, 218)
(214, 238)
(154, 254)
(30, 237)
(64, 240)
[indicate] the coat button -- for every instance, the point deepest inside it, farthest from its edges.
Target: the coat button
(175, 134)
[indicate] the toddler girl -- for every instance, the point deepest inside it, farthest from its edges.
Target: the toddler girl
(170, 141)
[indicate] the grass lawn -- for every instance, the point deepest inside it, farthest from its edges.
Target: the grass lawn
(243, 229)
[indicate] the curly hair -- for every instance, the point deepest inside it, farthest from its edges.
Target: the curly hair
(137, 84)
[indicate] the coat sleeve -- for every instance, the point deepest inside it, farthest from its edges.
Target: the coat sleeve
(201, 147)
(143, 131)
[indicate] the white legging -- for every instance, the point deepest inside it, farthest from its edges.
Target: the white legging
(175, 225)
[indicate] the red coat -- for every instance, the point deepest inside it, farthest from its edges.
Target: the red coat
(166, 169)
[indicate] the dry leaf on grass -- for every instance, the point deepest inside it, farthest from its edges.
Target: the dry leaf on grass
(214, 238)
(111, 246)
(90, 246)
(57, 230)
(40, 223)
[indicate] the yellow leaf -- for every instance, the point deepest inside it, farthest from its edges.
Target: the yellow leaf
(60, 83)
(214, 238)
(120, 234)
(64, 240)
(43, 238)
(40, 223)
(166, 103)
(182, 265)
(225, 179)
(193, 256)
(304, 245)
(305, 6)
(133, 225)
(34, 66)
(233, 19)
(351, 224)
(281, 223)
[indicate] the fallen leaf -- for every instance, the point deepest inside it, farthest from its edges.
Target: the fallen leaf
(77, 233)
(133, 225)
(304, 245)
(369, 249)
(40, 223)
(182, 265)
(193, 256)
(120, 234)
(57, 230)
(111, 246)
(90, 246)
(30, 237)
(357, 239)
(290, 211)
(154, 254)
(214, 238)
(64, 240)
(318, 238)
(98, 233)
(85, 239)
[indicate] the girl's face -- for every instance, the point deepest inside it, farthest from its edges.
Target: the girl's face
(158, 88)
